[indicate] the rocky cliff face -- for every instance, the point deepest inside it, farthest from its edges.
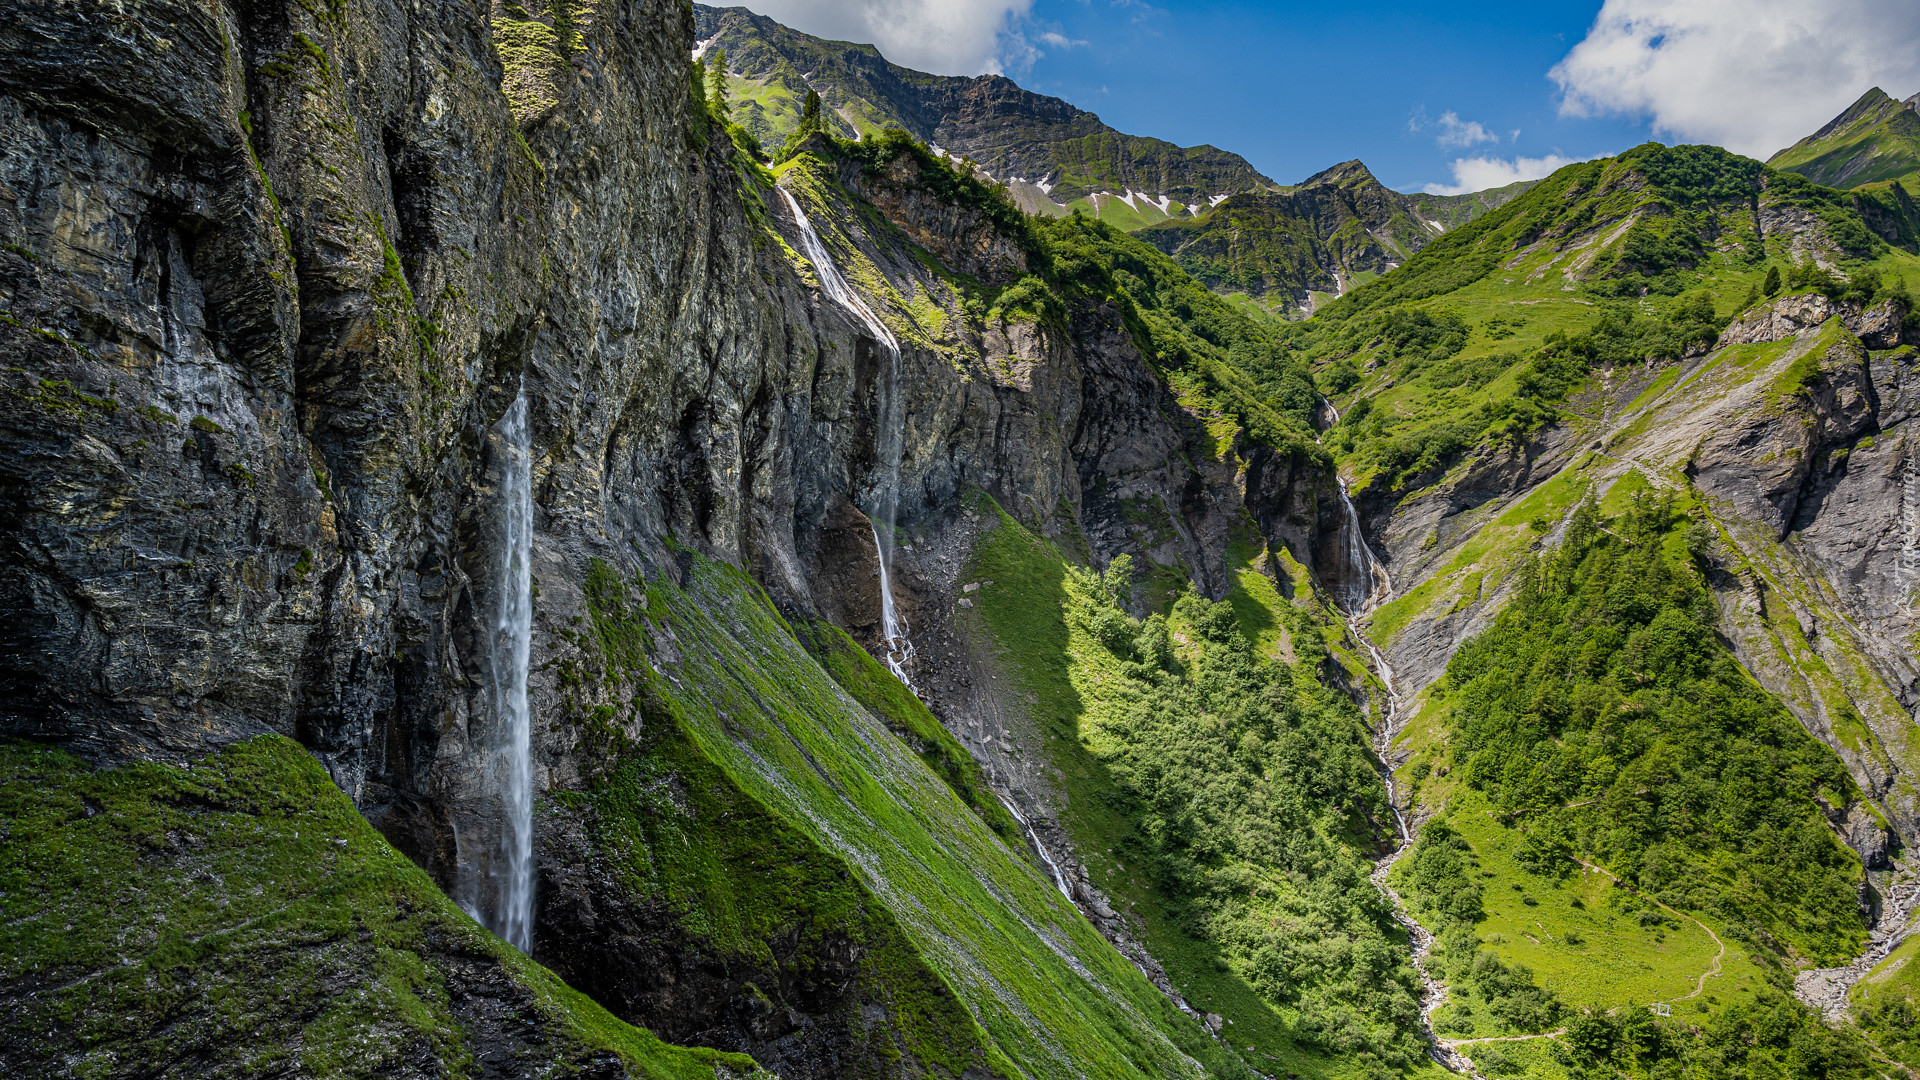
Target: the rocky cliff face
(1790, 433)
(269, 278)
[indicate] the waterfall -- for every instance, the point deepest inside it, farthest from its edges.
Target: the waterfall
(1373, 588)
(1361, 593)
(500, 892)
(889, 442)
(1059, 877)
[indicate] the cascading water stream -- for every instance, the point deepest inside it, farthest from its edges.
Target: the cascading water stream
(498, 886)
(1059, 878)
(1373, 587)
(890, 442)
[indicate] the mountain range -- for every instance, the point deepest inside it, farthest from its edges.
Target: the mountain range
(1052, 155)
(1305, 244)
(505, 577)
(1226, 223)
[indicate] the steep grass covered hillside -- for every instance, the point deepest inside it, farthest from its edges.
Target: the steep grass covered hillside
(1876, 141)
(235, 916)
(1596, 433)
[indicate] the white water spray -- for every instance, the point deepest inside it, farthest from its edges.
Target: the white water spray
(1370, 575)
(498, 888)
(890, 441)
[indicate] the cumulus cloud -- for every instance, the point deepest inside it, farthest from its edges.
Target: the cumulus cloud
(946, 37)
(1481, 173)
(1751, 75)
(1457, 132)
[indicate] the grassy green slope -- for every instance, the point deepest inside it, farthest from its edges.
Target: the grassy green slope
(1628, 819)
(1220, 794)
(1040, 992)
(1887, 1004)
(1877, 140)
(238, 917)
(1482, 338)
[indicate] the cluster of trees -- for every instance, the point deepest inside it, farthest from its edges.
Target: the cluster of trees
(1603, 716)
(711, 106)
(1772, 1035)
(1253, 792)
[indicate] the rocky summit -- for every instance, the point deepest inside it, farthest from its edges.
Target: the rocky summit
(530, 555)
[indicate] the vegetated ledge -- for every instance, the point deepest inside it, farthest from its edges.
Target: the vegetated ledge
(237, 917)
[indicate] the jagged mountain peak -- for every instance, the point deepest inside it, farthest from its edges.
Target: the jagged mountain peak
(1875, 103)
(1876, 139)
(1299, 246)
(1343, 174)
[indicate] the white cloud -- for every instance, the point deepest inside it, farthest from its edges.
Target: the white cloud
(946, 37)
(1751, 75)
(1481, 173)
(1060, 41)
(1457, 132)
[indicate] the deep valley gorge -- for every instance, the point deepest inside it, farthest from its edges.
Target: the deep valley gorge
(622, 539)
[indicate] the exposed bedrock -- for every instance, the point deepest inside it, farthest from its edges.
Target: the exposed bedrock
(1801, 453)
(271, 271)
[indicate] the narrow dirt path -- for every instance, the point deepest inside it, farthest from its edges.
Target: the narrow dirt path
(1713, 971)
(1555, 1033)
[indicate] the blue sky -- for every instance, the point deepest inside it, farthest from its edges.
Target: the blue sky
(1295, 87)
(1440, 95)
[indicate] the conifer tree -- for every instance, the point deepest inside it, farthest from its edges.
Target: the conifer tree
(717, 86)
(1772, 285)
(810, 112)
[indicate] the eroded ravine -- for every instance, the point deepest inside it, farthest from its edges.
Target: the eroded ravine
(1825, 990)
(1373, 588)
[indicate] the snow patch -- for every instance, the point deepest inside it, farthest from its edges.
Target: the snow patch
(700, 47)
(1128, 199)
(1436, 225)
(1216, 201)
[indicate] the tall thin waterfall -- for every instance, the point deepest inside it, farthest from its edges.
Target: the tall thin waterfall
(1361, 593)
(1374, 587)
(498, 885)
(890, 441)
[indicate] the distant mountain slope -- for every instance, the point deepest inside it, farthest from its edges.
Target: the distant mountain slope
(1339, 228)
(1665, 396)
(1049, 152)
(1876, 139)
